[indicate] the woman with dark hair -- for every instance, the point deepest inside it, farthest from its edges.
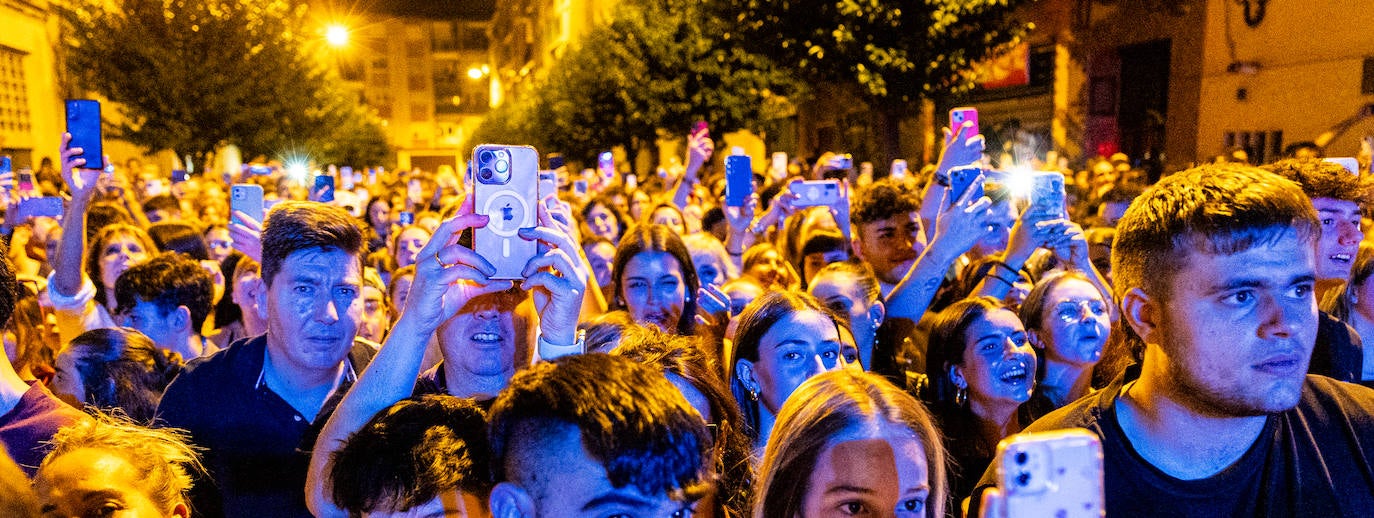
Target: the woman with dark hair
(852, 442)
(669, 215)
(172, 236)
(981, 369)
(602, 219)
(1068, 323)
(781, 340)
(689, 369)
(655, 280)
(378, 219)
(116, 367)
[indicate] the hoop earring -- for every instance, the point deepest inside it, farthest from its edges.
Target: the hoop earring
(960, 396)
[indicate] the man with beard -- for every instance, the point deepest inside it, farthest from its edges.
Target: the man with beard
(1215, 275)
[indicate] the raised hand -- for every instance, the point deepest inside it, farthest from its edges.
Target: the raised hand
(448, 275)
(963, 223)
(80, 180)
(247, 234)
(699, 150)
(960, 148)
(556, 279)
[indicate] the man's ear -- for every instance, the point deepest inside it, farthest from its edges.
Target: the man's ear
(180, 510)
(510, 501)
(1140, 312)
(855, 245)
(259, 288)
(180, 318)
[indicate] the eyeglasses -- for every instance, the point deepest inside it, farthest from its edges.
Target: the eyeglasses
(1072, 311)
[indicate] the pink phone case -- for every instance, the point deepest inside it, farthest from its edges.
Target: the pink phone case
(957, 117)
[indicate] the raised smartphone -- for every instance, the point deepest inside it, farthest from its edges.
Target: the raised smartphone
(739, 180)
(25, 180)
(405, 218)
(49, 206)
(1047, 194)
(180, 175)
(1055, 474)
(580, 187)
(957, 117)
(1349, 163)
(548, 183)
(83, 122)
(324, 184)
(246, 198)
(346, 175)
(504, 182)
(779, 164)
(898, 169)
(812, 193)
(961, 179)
(605, 164)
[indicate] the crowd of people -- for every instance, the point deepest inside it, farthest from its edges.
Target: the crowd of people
(666, 353)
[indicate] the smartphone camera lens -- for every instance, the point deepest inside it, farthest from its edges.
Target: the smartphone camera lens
(1023, 479)
(1022, 457)
(486, 174)
(485, 157)
(502, 166)
(501, 154)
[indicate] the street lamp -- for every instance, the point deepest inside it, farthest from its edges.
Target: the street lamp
(336, 35)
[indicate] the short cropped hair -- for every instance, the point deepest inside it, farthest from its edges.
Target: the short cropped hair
(1218, 209)
(293, 226)
(164, 460)
(1321, 179)
(410, 453)
(175, 236)
(1214, 209)
(885, 199)
(167, 280)
(632, 420)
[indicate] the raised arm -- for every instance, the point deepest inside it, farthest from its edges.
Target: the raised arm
(67, 276)
(699, 150)
(447, 275)
(958, 227)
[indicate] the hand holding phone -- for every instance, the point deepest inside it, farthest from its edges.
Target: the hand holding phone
(324, 188)
(1047, 195)
(246, 198)
(505, 188)
(815, 193)
(83, 123)
(957, 118)
(961, 179)
(1055, 473)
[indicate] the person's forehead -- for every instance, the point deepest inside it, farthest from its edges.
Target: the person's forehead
(331, 263)
(1336, 205)
(833, 284)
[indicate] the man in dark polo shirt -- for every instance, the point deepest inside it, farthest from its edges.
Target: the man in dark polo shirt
(256, 406)
(1215, 273)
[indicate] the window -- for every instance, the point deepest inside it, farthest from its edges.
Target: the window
(14, 97)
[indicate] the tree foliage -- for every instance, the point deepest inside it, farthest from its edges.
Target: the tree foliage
(190, 75)
(893, 51)
(658, 65)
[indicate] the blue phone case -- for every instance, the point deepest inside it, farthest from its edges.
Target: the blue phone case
(739, 180)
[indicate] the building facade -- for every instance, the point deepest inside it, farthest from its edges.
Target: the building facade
(31, 118)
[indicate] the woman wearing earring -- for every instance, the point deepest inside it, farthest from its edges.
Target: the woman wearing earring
(852, 443)
(782, 339)
(981, 370)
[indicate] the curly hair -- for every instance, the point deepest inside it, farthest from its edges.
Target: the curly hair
(883, 200)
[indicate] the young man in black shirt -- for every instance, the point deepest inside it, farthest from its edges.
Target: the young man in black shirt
(1215, 272)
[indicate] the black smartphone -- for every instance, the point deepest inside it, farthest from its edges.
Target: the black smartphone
(962, 179)
(179, 175)
(83, 122)
(324, 184)
(739, 180)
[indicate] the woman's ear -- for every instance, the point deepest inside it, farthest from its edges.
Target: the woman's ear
(877, 312)
(1033, 337)
(956, 376)
(744, 372)
(510, 501)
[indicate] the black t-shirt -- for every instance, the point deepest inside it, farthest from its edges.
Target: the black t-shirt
(1316, 459)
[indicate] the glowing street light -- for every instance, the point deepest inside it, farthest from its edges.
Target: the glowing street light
(474, 73)
(336, 35)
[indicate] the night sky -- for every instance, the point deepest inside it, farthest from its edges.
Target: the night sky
(446, 9)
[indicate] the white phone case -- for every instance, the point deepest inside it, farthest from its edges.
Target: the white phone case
(1056, 474)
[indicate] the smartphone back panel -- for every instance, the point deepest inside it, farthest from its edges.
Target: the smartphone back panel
(504, 182)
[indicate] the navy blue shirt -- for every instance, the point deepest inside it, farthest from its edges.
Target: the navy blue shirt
(257, 445)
